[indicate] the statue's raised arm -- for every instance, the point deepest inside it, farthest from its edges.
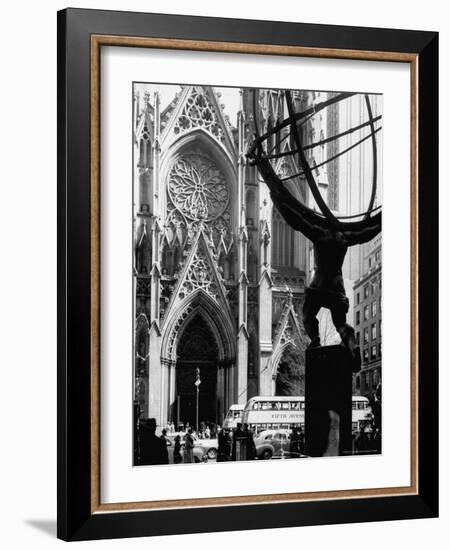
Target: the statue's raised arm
(294, 213)
(370, 230)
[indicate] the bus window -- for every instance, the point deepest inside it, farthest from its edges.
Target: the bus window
(264, 406)
(295, 405)
(302, 404)
(255, 406)
(285, 406)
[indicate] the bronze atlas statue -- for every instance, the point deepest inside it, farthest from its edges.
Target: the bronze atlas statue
(331, 235)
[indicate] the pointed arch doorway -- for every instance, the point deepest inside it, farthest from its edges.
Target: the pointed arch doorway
(197, 349)
(290, 376)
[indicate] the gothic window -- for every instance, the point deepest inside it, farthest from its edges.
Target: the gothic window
(145, 148)
(250, 208)
(200, 276)
(198, 111)
(283, 241)
(171, 259)
(143, 255)
(198, 188)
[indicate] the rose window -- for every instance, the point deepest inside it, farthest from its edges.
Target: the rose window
(198, 188)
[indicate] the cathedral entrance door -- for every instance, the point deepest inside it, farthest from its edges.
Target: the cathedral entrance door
(197, 350)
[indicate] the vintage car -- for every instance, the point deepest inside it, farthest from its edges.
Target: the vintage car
(275, 444)
(209, 446)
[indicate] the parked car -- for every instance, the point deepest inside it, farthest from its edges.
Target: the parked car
(209, 446)
(275, 444)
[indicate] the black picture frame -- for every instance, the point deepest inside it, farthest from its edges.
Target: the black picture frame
(76, 518)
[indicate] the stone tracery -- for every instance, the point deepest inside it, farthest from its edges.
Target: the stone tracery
(198, 188)
(198, 111)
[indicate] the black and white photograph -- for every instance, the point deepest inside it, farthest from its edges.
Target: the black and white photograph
(257, 273)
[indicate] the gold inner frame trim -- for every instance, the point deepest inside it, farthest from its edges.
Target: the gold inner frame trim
(97, 41)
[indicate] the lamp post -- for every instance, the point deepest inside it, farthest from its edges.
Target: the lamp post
(197, 384)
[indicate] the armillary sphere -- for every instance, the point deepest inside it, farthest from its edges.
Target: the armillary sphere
(261, 154)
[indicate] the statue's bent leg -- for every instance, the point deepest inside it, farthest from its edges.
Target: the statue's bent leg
(311, 308)
(346, 332)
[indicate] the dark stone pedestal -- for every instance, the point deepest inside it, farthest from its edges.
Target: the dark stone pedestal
(328, 401)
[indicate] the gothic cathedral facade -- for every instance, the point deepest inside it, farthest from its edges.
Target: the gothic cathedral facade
(219, 277)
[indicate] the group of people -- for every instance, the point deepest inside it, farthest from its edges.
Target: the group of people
(237, 446)
(297, 444)
(188, 449)
(368, 441)
(151, 449)
(206, 430)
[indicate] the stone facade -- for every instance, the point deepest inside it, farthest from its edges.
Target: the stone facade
(219, 277)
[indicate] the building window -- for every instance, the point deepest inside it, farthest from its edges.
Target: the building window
(367, 379)
(376, 377)
(283, 239)
(379, 328)
(379, 350)
(366, 313)
(374, 331)
(373, 352)
(366, 291)
(370, 263)
(358, 298)
(377, 256)
(365, 355)
(366, 335)
(358, 317)
(358, 383)
(357, 335)
(374, 308)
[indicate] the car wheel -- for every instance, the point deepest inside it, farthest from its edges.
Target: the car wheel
(266, 454)
(212, 453)
(196, 460)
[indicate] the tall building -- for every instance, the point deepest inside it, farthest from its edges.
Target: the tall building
(355, 169)
(367, 320)
(219, 276)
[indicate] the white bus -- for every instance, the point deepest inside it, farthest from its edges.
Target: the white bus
(287, 412)
(234, 416)
(274, 413)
